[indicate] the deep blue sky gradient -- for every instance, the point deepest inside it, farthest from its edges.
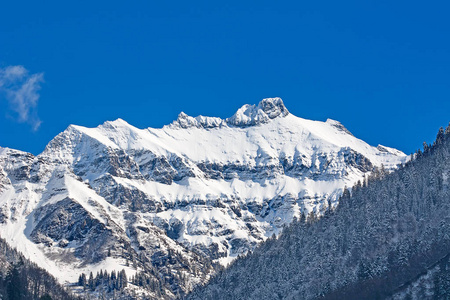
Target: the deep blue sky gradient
(382, 68)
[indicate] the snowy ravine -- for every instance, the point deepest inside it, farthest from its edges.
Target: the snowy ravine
(174, 199)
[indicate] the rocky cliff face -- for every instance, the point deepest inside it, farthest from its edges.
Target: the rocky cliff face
(178, 199)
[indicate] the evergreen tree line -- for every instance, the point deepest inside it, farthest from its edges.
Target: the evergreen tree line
(142, 280)
(111, 281)
(106, 284)
(387, 233)
(22, 279)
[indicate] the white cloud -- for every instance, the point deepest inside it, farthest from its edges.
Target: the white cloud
(21, 89)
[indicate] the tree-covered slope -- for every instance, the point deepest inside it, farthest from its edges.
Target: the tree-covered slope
(22, 279)
(384, 236)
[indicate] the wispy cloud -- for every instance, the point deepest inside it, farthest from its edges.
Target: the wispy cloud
(21, 89)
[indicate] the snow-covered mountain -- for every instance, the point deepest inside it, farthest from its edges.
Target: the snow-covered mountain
(175, 199)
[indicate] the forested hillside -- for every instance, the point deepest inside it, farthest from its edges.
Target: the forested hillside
(22, 279)
(389, 237)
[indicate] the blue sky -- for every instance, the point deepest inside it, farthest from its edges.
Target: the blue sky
(382, 68)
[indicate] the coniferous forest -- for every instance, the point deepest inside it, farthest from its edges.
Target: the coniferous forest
(389, 238)
(22, 279)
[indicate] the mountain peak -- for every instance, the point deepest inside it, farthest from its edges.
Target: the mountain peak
(247, 115)
(273, 107)
(251, 115)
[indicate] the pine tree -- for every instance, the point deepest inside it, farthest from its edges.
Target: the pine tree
(91, 282)
(447, 130)
(14, 284)
(124, 280)
(440, 136)
(82, 280)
